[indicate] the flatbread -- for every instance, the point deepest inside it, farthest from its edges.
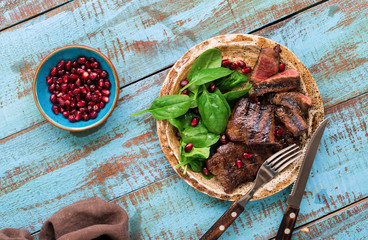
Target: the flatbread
(247, 48)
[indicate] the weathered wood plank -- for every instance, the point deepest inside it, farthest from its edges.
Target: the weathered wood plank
(140, 37)
(12, 11)
(124, 155)
(347, 223)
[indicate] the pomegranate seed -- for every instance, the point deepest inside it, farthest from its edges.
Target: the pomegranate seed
(89, 96)
(78, 97)
(278, 131)
(74, 71)
(59, 81)
(53, 71)
(233, 66)
(89, 108)
(103, 74)
(91, 103)
(72, 112)
(71, 86)
(76, 91)
(95, 64)
(78, 116)
(92, 87)
(185, 92)
(93, 76)
(64, 88)
(102, 105)
(66, 97)
(98, 71)
(51, 88)
(107, 84)
(241, 64)
(71, 118)
(48, 79)
(80, 70)
(96, 107)
(75, 64)
(105, 92)
(82, 109)
(54, 79)
(78, 82)
(85, 116)
(57, 87)
(101, 82)
(212, 87)
(81, 103)
(223, 139)
(55, 109)
(93, 115)
(92, 59)
(72, 103)
(188, 147)
(183, 83)
(62, 109)
(61, 65)
(239, 163)
(66, 114)
(53, 98)
(105, 99)
(59, 95)
(247, 155)
(83, 90)
(85, 76)
(94, 97)
(83, 67)
(87, 88)
(73, 77)
(194, 122)
(205, 171)
(246, 70)
(68, 65)
(81, 60)
(88, 66)
(282, 67)
(225, 62)
(66, 103)
(61, 73)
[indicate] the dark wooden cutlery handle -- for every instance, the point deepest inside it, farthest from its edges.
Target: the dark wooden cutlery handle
(223, 222)
(287, 223)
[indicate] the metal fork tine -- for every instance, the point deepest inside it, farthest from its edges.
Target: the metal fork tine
(275, 161)
(283, 161)
(270, 159)
(287, 163)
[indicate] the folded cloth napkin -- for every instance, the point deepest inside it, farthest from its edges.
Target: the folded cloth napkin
(92, 218)
(14, 234)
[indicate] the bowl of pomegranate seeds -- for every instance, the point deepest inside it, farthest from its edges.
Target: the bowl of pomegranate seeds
(76, 88)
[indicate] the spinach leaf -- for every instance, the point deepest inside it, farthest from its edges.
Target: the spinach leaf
(210, 58)
(169, 106)
(214, 111)
(206, 75)
(202, 153)
(208, 177)
(196, 165)
(194, 98)
(234, 95)
(199, 136)
(231, 81)
(183, 121)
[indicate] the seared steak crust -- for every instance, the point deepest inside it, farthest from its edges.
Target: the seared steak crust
(236, 129)
(292, 121)
(293, 100)
(260, 124)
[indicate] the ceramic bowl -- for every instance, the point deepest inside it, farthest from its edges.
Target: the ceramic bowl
(42, 95)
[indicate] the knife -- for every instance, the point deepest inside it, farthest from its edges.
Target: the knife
(296, 195)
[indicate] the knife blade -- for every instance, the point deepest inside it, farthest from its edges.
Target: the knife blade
(296, 195)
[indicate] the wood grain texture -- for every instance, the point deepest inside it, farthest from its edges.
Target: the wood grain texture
(13, 11)
(139, 37)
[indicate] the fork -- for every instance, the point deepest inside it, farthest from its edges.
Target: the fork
(269, 169)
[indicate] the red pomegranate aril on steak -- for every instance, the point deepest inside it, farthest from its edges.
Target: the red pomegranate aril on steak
(194, 122)
(239, 163)
(103, 74)
(53, 98)
(212, 87)
(241, 64)
(278, 131)
(225, 62)
(233, 66)
(205, 171)
(282, 67)
(81, 60)
(184, 82)
(246, 70)
(188, 147)
(93, 115)
(185, 92)
(105, 99)
(53, 71)
(247, 155)
(55, 109)
(223, 139)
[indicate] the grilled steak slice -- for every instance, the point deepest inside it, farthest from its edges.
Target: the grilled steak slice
(293, 100)
(267, 64)
(260, 124)
(281, 82)
(236, 130)
(292, 121)
(223, 165)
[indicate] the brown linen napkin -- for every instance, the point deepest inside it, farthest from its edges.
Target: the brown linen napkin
(14, 234)
(92, 218)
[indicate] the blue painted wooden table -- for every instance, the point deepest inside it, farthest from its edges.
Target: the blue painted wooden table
(43, 168)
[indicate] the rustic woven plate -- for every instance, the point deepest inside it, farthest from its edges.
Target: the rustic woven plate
(236, 47)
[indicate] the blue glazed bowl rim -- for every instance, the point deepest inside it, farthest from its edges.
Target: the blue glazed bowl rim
(74, 129)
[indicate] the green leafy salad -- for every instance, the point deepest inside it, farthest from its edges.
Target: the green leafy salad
(201, 109)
